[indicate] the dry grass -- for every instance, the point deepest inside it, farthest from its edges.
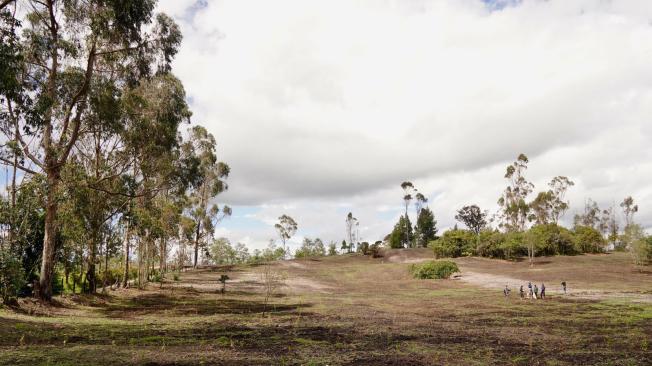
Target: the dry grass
(346, 310)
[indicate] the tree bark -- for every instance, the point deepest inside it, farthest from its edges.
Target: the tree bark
(90, 272)
(125, 276)
(44, 291)
(197, 243)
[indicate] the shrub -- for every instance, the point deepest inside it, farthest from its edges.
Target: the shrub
(489, 244)
(454, 243)
(364, 248)
(175, 276)
(551, 239)
(512, 246)
(157, 277)
(640, 246)
(12, 276)
(434, 270)
(588, 240)
(375, 249)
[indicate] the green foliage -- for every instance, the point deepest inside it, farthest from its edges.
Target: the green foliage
(434, 270)
(332, 248)
(222, 252)
(473, 217)
(12, 276)
(640, 246)
(490, 244)
(311, 248)
(550, 239)
(426, 229)
(157, 277)
(269, 254)
(588, 240)
(364, 248)
(454, 243)
(513, 245)
(175, 277)
(398, 238)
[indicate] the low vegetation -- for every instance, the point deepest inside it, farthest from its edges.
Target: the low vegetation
(345, 310)
(434, 270)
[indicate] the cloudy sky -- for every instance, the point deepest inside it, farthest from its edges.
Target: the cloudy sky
(325, 107)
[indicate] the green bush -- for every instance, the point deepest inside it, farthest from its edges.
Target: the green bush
(489, 244)
(513, 245)
(375, 249)
(364, 248)
(640, 246)
(588, 240)
(434, 270)
(12, 276)
(551, 239)
(454, 243)
(175, 276)
(157, 277)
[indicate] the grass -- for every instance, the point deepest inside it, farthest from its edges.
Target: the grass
(372, 312)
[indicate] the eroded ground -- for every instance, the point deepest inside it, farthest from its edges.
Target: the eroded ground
(350, 310)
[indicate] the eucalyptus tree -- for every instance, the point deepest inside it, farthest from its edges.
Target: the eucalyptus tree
(629, 209)
(419, 201)
(590, 217)
(154, 111)
(351, 234)
(514, 210)
(210, 175)
(558, 187)
(64, 46)
(286, 228)
(408, 189)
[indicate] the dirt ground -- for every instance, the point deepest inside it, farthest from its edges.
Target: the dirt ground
(350, 310)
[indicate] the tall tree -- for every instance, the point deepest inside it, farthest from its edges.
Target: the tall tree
(590, 217)
(351, 233)
(541, 208)
(558, 187)
(59, 66)
(629, 209)
(473, 217)
(210, 175)
(286, 228)
(426, 227)
(514, 209)
(402, 235)
(408, 189)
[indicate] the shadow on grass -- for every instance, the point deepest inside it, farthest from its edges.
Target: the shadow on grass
(186, 304)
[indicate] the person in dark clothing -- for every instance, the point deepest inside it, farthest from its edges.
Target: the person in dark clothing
(536, 292)
(563, 286)
(521, 292)
(543, 290)
(506, 291)
(530, 294)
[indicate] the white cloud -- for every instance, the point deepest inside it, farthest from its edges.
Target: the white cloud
(325, 107)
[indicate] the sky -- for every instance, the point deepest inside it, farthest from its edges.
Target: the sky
(324, 107)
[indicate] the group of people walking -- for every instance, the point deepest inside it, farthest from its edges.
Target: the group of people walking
(533, 291)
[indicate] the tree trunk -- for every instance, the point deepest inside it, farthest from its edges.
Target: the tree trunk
(197, 243)
(407, 226)
(90, 273)
(125, 277)
(44, 292)
(106, 266)
(163, 256)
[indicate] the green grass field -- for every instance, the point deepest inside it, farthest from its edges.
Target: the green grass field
(349, 310)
